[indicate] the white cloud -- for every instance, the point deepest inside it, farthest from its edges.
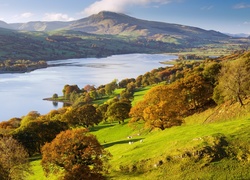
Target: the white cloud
(119, 5)
(241, 6)
(26, 15)
(246, 23)
(207, 8)
(57, 17)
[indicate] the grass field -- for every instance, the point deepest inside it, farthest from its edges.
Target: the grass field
(223, 147)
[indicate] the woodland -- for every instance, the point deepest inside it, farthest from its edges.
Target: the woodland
(187, 121)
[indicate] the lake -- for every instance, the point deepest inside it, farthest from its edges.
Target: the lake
(21, 93)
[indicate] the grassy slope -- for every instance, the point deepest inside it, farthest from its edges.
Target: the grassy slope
(169, 147)
(159, 145)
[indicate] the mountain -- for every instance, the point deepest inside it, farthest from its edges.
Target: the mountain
(238, 35)
(4, 25)
(105, 34)
(112, 23)
(39, 26)
(116, 23)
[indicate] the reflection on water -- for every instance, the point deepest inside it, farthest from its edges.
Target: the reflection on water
(23, 92)
(55, 104)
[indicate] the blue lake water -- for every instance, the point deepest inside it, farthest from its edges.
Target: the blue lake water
(21, 93)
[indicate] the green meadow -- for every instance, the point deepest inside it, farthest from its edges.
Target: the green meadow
(199, 149)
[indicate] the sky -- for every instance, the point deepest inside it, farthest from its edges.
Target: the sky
(227, 16)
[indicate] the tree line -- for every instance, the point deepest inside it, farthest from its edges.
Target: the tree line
(21, 65)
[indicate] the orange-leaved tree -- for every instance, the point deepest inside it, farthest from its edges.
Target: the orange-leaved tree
(162, 107)
(14, 163)
(77, 154)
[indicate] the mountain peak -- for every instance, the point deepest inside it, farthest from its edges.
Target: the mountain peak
(108, 15)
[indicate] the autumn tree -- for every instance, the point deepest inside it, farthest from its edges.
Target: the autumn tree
(85, 115)
(162, 107)
(68, 89)
(88, 88)
(197, 90)
(233, 82)
(13, 123)
(14, 163)
(77, 153)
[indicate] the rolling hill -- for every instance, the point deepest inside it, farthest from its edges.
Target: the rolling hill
(120, 24)
(104, 34)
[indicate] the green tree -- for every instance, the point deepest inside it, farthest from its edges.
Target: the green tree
(233, 82)
(93, 94)
(211, 72)
(14, 163)
(55, 96)
(77, 153)
(36, 133)
(85, 115)
(118, 111)
(109, 88)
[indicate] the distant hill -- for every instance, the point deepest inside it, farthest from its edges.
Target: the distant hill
(4, 25)
(238, 35)
(115, 23)
(120, 24)
(39, 26)
(104, 34)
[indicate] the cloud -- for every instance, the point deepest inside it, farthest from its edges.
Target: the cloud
(207, 8)
(246, 23)
(26, 15)
(57, 17)
(241, 6)
(119, 5)
(22, 16)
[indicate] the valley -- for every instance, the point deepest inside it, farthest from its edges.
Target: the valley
(130, 112)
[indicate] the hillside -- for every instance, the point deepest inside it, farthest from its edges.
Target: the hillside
(180, 122)
(38, 26)
(120, 24)
(107, 33)
(69, 44)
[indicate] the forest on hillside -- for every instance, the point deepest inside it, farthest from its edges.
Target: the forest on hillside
(63, 138)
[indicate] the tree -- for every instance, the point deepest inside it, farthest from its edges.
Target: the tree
(103, 109)
(109, 88)
(36, 133)
(233, 82)
(162, 107)
(55, 96)
(211, 72)
(86, 115)
(68, 89)
(118, 111)
(14, 163)
(77, 153)
(93, 94)
(197, 89)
